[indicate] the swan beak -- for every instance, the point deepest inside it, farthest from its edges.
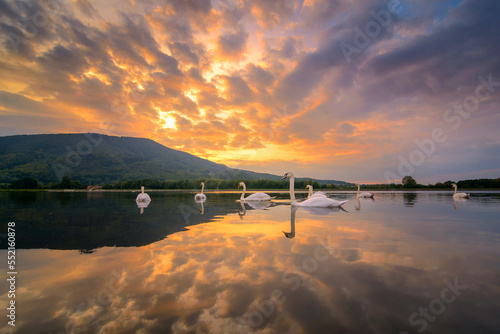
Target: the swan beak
(284, 176)
(239, 186)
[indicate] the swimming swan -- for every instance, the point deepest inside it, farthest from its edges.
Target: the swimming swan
(201, 196)
(364, 195)
(322, 202)
(459, 195)
(143, 197)
(254, 197)
(316, 194)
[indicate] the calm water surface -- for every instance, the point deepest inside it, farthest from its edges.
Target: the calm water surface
(401, 263)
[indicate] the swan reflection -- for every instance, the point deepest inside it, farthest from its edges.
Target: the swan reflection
(259, 205)
(358, 207)
(243, 210)
(201, 201)
(311, 210)
(254, 205)
(458, 200)
(291, 234)
(321, 211)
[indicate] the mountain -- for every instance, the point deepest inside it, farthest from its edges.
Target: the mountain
(94, 158)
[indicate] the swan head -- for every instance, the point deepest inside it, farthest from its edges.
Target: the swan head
(454, 186)
(288, 175)
(241, 185)
(308, 186)
(142, 189)
(202, 184)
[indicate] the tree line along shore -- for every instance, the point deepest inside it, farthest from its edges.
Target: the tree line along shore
(406, 183)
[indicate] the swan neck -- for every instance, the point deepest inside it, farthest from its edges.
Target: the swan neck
(455, 187)
(358, 189)
(292, 189)
(202, 187)
(243, 193)
(142, 190)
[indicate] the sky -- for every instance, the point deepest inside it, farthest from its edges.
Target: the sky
(356, 90)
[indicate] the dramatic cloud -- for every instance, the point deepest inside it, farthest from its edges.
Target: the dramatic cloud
(331, 89)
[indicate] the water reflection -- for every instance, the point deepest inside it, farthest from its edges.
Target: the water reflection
(456, 202)
(291, 234)
(201, 202)
(84, 220)
(350, 273)
(259, 205)
(255, 205)
(365, 199)
(410, 199)
(243, 210)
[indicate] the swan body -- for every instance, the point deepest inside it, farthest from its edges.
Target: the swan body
(316, 194)
(143, 197)
(319, 202)
(364, 194)
(459, 195)
(201, 196)
(253, 197)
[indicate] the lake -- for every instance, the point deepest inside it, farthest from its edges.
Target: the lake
(404, 262)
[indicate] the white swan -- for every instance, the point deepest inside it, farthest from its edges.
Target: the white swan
(254, 197)
(364, 194)
(143, 197)
(201, 196)
(459, 195)
(322, 202)
(316, 194)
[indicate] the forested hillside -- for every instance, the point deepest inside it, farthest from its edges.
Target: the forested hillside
(91, 158)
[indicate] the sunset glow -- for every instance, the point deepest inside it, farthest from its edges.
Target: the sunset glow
(341, 90)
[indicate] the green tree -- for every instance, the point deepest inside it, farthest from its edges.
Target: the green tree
(448, 184)
(65, 182)
(25, 183)
(409, 182)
